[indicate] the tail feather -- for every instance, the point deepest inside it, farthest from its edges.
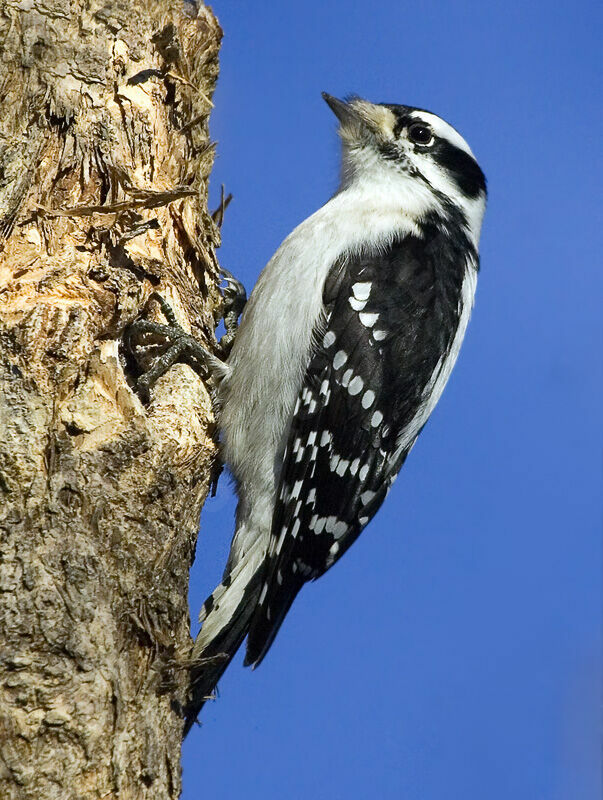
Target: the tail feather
(211, 661)
(226, 616)
(269, 613)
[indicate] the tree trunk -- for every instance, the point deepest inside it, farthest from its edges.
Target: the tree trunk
(104, 162)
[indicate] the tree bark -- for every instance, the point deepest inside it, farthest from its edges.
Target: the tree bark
(104, 162)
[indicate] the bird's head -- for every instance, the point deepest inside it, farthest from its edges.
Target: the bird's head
(410, 151)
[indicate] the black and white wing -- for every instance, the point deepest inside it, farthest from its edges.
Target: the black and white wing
(390, 320)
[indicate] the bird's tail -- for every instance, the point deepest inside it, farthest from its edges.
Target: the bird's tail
(226, 615)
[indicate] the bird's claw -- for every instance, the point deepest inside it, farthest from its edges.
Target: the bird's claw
(179, 346)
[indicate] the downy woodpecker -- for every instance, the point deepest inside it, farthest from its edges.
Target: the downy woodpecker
(344, 348)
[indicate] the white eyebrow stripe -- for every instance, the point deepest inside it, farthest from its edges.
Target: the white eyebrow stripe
(443, 130)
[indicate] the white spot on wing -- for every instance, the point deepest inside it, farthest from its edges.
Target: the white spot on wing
(281, 540)
(331, 522)
(333, 550)
(356, 385)
(342, 466)
(376, 419)
(368, 320)
(368, 398)
(357, 305)
(320, 524)
(361, 290)
(329, 339)
(340, 358)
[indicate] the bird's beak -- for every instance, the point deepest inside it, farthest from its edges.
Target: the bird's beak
(344, 112)
(358, 118)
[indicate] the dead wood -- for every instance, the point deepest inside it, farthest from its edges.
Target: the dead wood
(104, 163)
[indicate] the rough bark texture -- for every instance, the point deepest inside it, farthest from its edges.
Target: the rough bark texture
(104, 161)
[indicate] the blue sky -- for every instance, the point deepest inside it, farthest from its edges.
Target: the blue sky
(454, 652)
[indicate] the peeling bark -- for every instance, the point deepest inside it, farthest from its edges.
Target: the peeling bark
(104, 162)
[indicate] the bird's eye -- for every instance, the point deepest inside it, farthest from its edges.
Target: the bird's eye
(420, 133)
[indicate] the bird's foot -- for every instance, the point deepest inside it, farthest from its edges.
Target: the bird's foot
(177, 346)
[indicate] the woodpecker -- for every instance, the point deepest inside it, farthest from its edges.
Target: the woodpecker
(343, 350)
